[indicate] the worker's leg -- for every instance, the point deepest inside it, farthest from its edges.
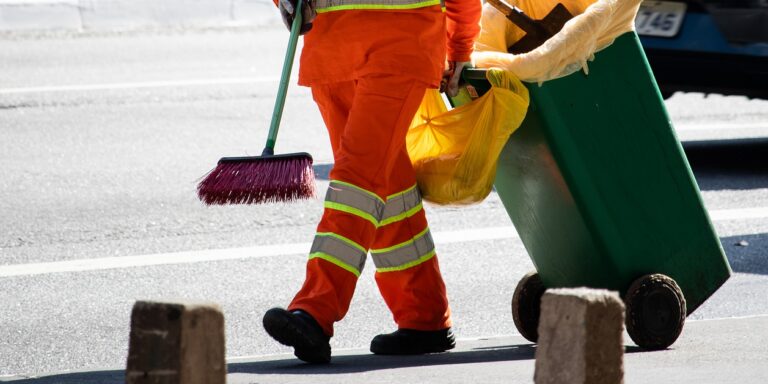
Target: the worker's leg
(365, 153)
(331, 277)
(407, 272)
(324, 298)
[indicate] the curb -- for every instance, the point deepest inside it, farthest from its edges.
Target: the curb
(97, 15)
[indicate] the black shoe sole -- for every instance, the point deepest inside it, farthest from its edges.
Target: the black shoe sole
(399, 351)
(382, 349)
(283, 327)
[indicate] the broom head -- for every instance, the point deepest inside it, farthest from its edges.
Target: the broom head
(259, 179)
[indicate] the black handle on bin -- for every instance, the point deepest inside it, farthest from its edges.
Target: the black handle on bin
(536, 31)
(474, 74)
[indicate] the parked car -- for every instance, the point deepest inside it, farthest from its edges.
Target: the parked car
(709, 46)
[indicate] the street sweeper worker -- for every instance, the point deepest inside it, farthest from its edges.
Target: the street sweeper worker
(369, 63)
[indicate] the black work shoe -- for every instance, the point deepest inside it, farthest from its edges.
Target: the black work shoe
(413, 342)
(299, 330)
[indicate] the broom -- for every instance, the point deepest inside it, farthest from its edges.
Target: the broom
(267, 178)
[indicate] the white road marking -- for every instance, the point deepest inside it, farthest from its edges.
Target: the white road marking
(739, 214)
(221, 254)
(719, 126)
(139, 85)
(447, 237)
(74, 3)
(155, 259)
(747, 317)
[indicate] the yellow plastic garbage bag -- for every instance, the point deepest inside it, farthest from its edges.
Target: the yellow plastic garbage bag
(596, 24)
(454, 152)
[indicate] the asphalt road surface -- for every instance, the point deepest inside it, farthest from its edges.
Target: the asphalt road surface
(104, 136)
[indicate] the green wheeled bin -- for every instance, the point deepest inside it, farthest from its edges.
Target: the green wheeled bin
(600, 192)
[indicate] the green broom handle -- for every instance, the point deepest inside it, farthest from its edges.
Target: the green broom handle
(282, 91)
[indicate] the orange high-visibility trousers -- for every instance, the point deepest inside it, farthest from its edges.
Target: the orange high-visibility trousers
(367, 120)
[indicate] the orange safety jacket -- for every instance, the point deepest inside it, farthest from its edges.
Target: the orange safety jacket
(351, 24)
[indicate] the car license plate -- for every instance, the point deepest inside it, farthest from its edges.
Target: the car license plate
(659, 18)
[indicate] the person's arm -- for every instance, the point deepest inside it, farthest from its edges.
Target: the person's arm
(463, 26)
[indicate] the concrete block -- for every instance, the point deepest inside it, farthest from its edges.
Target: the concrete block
(580, 337)
(176, 343)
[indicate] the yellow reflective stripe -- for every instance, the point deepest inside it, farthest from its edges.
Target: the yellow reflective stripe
(352, 199)
(401, 205)
(406, 254)
(347, 7)
(403, 244)
(352, 211)
(394, 195)
(344, 239)
(341, 248)
(369, 217)
(401, 216)
(331, 259)
(411, 264)
(340, 251)
(357, 188)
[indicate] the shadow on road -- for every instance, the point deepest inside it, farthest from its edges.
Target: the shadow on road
(729, 164)
(370, 362)
(339, 365)
(96, 377)
(746, 253)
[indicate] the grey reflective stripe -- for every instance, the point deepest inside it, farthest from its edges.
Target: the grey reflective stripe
(351, 199)
(339, 249)
(407, 253)
(332, 5)
(402, 203)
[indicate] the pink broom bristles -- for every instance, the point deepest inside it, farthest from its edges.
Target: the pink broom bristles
(257, 180)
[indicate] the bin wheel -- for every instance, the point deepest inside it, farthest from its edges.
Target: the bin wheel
(526, 305)
(656, 311)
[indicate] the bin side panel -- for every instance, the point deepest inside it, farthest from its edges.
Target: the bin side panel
(539, 202)
(612, 138)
